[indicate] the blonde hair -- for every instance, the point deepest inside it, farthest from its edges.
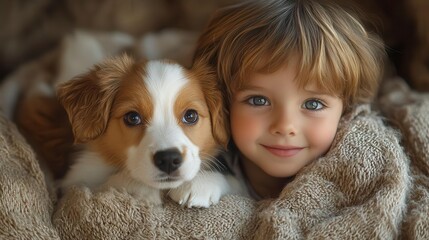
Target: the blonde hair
(330, 44)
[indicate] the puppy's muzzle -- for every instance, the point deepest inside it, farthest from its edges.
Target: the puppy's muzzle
(168, 160)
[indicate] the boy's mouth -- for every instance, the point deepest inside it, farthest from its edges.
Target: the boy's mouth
(283, 151)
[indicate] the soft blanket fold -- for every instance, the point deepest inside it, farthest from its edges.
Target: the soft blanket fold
(110, 214)
(25, 205)
(409, 111)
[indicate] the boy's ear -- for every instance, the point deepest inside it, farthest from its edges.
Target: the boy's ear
(215, 102)
(88, 98)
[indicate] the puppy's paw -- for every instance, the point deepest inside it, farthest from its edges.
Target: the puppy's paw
(194, 194)
(203, 191)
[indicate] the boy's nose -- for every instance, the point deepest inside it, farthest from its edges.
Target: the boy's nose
(284, 123)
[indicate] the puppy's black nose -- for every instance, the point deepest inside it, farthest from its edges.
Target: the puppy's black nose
(168, 160)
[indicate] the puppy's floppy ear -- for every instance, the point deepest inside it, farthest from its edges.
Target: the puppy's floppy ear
(88, 98)
(215, 102)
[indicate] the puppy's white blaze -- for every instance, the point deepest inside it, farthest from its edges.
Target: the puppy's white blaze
(164, 82)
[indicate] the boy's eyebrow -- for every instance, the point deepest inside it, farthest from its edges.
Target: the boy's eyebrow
(250, 87)
(315, 91)
(318, 92)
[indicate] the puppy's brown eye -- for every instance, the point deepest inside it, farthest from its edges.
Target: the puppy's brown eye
(190, 117)
(132, 119)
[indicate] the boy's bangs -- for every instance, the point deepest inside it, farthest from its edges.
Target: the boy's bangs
(326, 77)
(262, 58)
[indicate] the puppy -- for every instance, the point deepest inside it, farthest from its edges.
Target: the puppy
(146, 127)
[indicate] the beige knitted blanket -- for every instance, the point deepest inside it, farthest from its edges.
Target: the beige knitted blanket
(409, 111)
(25, 207)
(372, 184)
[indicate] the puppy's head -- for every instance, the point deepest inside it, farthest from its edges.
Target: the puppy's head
(154, 119)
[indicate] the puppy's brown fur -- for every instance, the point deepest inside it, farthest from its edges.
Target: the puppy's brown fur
(45, 125)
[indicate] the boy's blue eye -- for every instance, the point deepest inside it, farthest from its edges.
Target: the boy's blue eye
(313, 105)
(258, 101)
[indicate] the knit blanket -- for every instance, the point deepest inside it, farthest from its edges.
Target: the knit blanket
(372, 184)
(408, 111)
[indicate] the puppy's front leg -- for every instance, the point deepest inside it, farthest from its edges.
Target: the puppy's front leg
(204, 190)
(138, 190)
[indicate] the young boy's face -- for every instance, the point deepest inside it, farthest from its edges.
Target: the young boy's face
(279, 127)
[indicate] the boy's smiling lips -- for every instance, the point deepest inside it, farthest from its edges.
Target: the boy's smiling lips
(283, 151)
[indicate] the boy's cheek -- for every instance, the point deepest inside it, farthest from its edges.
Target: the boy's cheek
(322, 138)
(244, 127)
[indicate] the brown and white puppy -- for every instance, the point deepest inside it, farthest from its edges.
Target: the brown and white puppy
(146, 127)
